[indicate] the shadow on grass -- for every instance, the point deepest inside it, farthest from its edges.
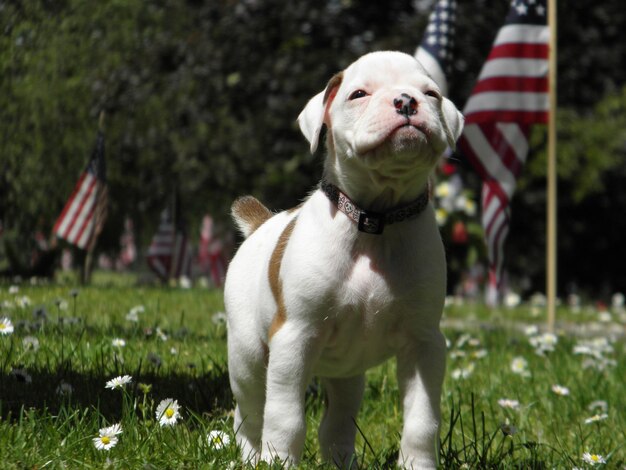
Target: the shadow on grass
(48, 391)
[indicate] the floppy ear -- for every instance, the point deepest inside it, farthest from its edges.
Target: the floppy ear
(314, 114)
(452, 120)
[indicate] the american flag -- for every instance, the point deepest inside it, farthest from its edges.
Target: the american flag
(169, 254)
(85, 212)
(128, 252)
(510, 95)
(435, 51)
(211, 256)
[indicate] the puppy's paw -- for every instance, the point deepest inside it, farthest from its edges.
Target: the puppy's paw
(282, 458)
(417, 462)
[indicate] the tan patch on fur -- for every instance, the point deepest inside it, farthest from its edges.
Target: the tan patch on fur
(249, 214)
(333, 84)
(276, 284)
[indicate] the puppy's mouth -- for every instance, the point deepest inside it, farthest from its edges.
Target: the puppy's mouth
(406, 137)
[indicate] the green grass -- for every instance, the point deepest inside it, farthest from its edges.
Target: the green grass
(177, 350)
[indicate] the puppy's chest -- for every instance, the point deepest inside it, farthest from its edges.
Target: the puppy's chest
(366, 322)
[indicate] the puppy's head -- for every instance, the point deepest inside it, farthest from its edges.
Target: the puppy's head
(384, 114)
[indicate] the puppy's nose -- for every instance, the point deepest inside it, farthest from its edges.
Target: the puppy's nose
(405, 105)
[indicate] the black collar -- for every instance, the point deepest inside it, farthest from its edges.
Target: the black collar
(369, 221)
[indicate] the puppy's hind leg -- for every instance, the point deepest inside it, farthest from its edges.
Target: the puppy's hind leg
(247, 369)
(338, 429)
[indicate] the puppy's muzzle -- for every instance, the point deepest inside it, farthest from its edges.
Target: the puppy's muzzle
(405, 105)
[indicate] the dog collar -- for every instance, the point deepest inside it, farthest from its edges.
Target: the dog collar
(369, 221)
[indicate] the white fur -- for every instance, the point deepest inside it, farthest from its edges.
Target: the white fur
(352, 300)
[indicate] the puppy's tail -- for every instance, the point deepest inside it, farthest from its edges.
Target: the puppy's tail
(249, 214)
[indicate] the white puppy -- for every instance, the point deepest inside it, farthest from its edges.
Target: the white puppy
(353, 276)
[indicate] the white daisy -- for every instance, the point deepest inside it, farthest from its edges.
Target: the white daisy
(560, 390)
(598, 404)
(64, 389)
(14, 290)
(593, 459)
(219, 318)
(596, 418)
(6, 327)
(167, 412)
(508, 403)
(23, 301)
(463, 373)
(519, 366)
(118, 342)
(132, 316)
(107, 437)
(119, 382)
(218, 439)
(30, 343)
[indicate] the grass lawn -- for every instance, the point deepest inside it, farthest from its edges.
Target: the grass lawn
(513, 397)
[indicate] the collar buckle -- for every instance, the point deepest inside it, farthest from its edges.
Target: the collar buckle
(371, 222)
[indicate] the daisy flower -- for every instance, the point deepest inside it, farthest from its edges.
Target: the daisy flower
(463, 373)
(119, 382)
(6, 327)
(64, 389)
(598, 404)
(23, 301)
(596, 418)
(531, 330)
(519, 366)
(218, 439)
(219, 318)
(14, 290)
(107, 437)
(508, 403)
(593, 459)
(21, 375)
(118, 342)
(168, 412)
(560, 390)
(30, 343)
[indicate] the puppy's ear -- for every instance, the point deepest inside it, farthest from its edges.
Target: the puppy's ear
(452, 120)
(314, 114)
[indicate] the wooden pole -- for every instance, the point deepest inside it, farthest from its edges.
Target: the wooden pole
(551, 261)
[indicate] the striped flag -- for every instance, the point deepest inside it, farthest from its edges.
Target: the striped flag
(85, 212)
(211, 256)
(128, 252)
(435, 51)
(510, 95)
(169, 254)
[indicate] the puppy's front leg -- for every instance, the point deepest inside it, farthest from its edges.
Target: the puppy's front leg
(338, 427)
(289, 371)
(421, 369)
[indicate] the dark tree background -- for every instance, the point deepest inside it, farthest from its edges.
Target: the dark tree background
(202, 96)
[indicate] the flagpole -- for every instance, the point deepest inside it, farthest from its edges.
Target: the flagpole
(551, 261)
(171, 279)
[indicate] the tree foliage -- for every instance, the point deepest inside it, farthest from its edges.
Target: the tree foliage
(202, 96)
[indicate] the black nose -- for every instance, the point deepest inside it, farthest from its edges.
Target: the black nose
(405, 105)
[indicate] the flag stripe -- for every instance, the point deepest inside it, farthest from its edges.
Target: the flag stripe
(83, 215)
(169, 253)
(84, 219)
(523, 50)
(512, 84)
(523, 33)
(76, 204)
(490, 101)
(510, 95)
(512, 67)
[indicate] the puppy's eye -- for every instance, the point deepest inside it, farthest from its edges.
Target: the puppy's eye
(357, 94)
(433, 94)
